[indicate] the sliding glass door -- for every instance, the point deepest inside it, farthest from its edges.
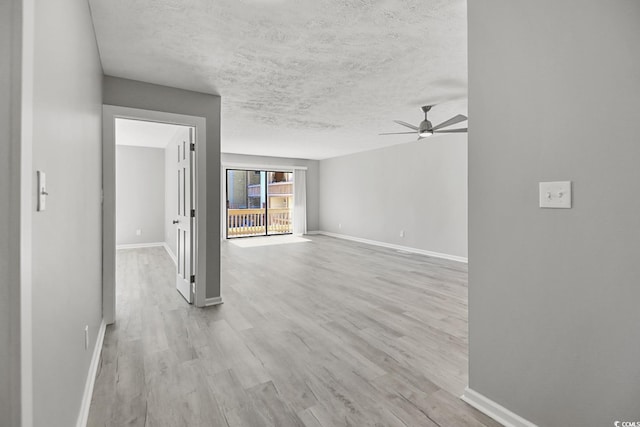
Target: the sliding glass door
(246, 213)
(259, 203)
(279, 202)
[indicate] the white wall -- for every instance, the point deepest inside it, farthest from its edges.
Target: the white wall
(171, 188)
(313, 181)
(419, 187)
(554, 94)
(140, 194)
(66, 239)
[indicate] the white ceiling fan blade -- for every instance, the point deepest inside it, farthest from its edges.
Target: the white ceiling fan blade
(410, 126)
(462, 130)
(397, 133)
(452, 121)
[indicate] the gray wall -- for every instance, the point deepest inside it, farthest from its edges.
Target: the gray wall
(313, 182)
(140, 181)
(9, 213)
(67, 236)
(171, 188)
(554, 93)
(134, 94)
(418, 187)
(5, 199)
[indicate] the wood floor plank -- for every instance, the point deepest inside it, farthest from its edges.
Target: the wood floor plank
(317, 334)
(269, 403)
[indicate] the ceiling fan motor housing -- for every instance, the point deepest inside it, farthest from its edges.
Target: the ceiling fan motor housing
(425, 126)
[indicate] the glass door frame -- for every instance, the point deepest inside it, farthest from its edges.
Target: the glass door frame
(290, 206)
(264, 192)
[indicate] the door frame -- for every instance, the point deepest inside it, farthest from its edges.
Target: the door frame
(244, 166)
(226, 204)
(266, 207)
(109, 114)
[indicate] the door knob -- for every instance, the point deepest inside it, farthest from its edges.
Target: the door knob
(175, 221)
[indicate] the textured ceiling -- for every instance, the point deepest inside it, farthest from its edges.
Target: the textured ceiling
(298, 78)
(144, 134)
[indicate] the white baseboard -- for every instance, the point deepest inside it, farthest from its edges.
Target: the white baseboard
(313, 232)
(213, 301)
(171, 254)
(139, 245)
(494, 410)
(83, 416)
(392, 246)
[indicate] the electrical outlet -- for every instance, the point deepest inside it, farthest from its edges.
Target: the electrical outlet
(401, 233)
(340, 226)
(86, 337)
(138, 232)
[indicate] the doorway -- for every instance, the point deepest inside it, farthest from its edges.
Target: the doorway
(155, 193)
(258, 203)
(193, 276)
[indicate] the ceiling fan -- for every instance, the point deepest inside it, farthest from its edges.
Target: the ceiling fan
(425, 128)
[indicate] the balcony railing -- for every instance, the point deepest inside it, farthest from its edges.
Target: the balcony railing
(252, 222)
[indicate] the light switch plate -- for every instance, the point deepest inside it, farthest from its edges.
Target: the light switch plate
(555, 194)
(42, 191)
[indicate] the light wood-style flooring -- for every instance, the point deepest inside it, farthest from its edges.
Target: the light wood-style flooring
(317, 334)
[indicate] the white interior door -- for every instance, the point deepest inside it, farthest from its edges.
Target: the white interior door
(185, 277)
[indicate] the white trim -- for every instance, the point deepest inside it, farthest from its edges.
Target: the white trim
(213, 301)
(494, 410)
(91, 377)
(392, 246)
(139, 245)
(223, 203)
(22, 38)
(150, 245)
(170, 252)
(261, 167)
(313, 232)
